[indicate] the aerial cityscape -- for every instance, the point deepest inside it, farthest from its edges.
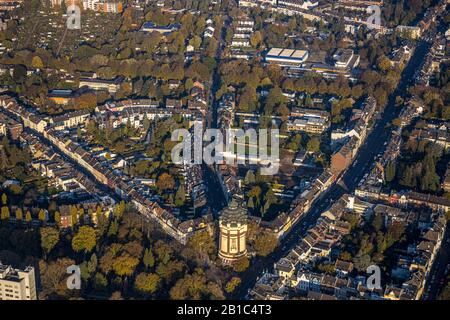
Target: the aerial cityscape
(224, 150)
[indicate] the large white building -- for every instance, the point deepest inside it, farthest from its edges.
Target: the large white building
(298, 4)
(287, 57)
(292, 4)
(345, 59)
(113, 6)
(16, 284)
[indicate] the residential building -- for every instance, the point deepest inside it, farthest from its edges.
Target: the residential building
(71, 119)
(17, 284)
(107, 6)
(297, 4)
(409, 31)
(308, 120)
(342, 159)
(112, 86)
(152, 27)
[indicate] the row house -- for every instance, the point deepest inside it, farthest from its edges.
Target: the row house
(70, 120)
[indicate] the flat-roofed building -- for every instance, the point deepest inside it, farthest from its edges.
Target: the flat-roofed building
(345, 59)
(287, 57)
(308, 120)
(7, 5)
(257, 3)
(240, 42)
(298, 4)
(111, 6)
(16, 284)
(308, 124)
(112, 86)
(152, 27)
(409, 31)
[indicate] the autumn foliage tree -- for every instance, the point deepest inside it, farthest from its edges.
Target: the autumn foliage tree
(49, 238)
(84, 240)
(165, 182)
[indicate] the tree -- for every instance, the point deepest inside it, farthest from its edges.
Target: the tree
(390, 171)
(74, 214)
(84, 240)
(232, 284)
(326, 268)
(149, 259)
(53, 276)
(19, 73)
(255, 39)
(313, 144)
(346, 256)
(41, 215)
(116, 295)
(169, 270)
(119, 209)
(113, 228)
(147, 282)
(49, 239)
(180, 196)
(163, 251)
(377, 222)
(190, 287)
(384, 64)
(5, 213)
(196, 42)
(203, 243)
(19, 214)
(37, 63)
(165, 182)
(274, 98)
(125, 265)
(92, 264)
(100, 282)
(248, 99)
(265, 243)
(241, 265)
(58, 218)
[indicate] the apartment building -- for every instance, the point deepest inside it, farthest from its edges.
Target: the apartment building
(112, 86)
(107, 6)
(7, 5)
(409, 31)
(70, 120)
(243, 29)
(298, 4)
(16, 284)
(308, 120)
